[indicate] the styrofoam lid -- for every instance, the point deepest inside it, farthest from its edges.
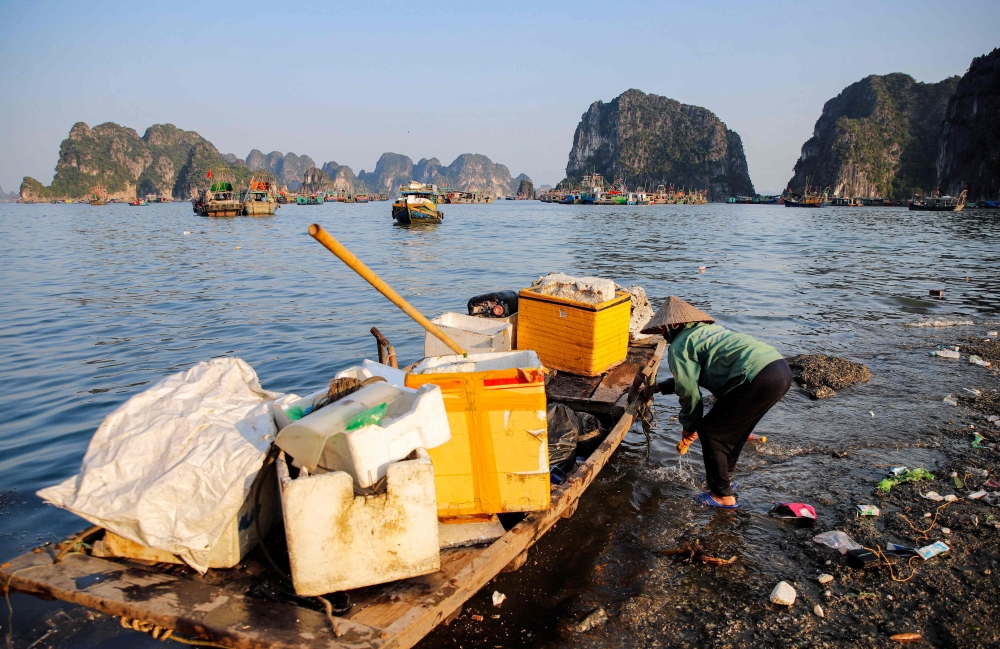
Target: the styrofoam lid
(525, 359)
(486, 326)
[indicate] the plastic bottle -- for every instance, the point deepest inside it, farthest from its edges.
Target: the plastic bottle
(754, 437)
(306, 439)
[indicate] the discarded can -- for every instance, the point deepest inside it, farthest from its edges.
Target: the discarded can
(932, 550)
(868, 510)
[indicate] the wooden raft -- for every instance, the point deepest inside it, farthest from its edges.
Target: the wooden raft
(216, 606)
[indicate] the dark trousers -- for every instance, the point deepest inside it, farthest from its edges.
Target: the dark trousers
(726, 427)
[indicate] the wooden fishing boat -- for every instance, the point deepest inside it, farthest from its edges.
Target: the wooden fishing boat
(139, 202)
(470, 197)
(259, 199)
(417, 203)
(99, 195)
(229, 608)
(362, 195)
(939, 203)
(220, 199)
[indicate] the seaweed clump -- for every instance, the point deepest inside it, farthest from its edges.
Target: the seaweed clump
(821, 375)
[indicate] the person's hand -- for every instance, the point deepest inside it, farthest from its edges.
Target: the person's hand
(687, 438)
(648, 392)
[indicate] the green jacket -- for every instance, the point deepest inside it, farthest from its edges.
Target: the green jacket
(715, 358)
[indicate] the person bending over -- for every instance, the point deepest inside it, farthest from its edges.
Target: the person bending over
(747, 377)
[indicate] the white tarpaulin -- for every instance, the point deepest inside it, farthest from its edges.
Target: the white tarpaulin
(172, 466)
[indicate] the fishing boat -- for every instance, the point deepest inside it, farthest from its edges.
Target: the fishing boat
(246, 607)
(417, 203)
(362, 195)
(99, 194)
(220, 199)
(311, 199)
(809, 200)
(139, 202)
(457, 197)
(939, 203)
(259, 199)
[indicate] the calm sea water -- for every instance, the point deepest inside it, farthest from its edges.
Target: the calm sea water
(100, 302)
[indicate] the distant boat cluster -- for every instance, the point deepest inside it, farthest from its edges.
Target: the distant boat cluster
(595, 190)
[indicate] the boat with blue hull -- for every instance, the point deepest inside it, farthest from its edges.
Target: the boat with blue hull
(417, 203)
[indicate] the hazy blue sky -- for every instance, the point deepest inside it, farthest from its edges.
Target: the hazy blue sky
(509, 80)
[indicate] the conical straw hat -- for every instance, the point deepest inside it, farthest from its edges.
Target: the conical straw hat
(675, 311)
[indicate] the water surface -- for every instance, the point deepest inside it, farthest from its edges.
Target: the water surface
(99, 302)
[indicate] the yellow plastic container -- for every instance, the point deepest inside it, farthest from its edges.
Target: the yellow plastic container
(575, 337)
(498, 458)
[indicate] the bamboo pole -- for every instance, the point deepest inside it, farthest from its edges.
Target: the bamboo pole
(317, 232)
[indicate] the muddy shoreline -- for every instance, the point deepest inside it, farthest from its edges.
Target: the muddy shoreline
(650, 598)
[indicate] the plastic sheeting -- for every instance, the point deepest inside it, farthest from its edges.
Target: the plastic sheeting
(171, 467)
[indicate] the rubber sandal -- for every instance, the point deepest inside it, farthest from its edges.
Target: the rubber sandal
(707, 500)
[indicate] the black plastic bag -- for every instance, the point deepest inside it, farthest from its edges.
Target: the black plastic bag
(564, 431)
(591, 434)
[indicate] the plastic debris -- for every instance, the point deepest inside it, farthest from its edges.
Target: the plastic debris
(992, 334)
(186, 232)
(946, 530)
(818, 610)
(861, 558)
(901, 550)
(932, 495)
(978, 360)
(950, 498)
(824, 579)
(991, 484)
(976, 495)
(498, 598)
(977, 440)
(783, 594)
(798, 514)
(950, 400)
(477, 618)
(977, 472)
(837, 540)
(973, 391)
(868, 510)
(940, 323)
(906, 476)
(702, 269)
(932, 550)
(946, 353)
(957, 481)
(907, 637)
(897, 470)
(872, 413)
(595, 619)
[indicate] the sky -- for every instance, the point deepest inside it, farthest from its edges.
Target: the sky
(346, 82)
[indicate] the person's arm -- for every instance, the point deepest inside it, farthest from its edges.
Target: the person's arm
(686, 371)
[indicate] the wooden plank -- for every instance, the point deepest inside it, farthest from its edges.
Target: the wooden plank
(190, 606)
(571, 386)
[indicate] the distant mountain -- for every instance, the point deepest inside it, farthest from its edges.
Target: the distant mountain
(173, 163)
(650, 140)
(969, 150)
(288, 168)
(468, 172)
(879, 137)
(314, 180)
(6, 197)
(166, 161)
(525, 188)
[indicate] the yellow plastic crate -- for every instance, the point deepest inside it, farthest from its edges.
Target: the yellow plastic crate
(576, 337)
(497, 459)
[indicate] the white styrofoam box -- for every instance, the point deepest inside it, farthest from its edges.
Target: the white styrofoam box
(455, 533)
(474, 335)
(239, 537)
(414, 419)
(525, 359)
(368, 369)
(338, 540)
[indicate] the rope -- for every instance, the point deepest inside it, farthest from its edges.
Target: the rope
(923, 533)
(892, 573)
(161, 634)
